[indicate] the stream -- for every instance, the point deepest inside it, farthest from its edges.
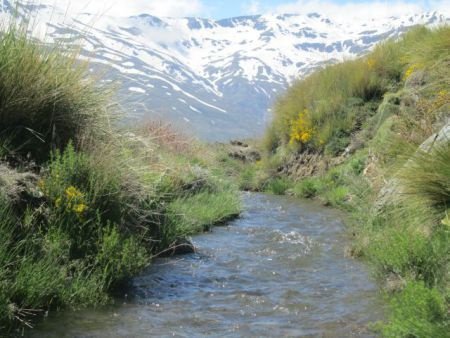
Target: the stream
(277, 271)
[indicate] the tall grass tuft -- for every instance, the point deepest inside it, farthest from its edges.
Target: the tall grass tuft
(46, 98)
(427, 176)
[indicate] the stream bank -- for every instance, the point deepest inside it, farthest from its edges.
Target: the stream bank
(279, 270)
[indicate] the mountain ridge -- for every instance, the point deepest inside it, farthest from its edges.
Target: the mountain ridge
(214, 78)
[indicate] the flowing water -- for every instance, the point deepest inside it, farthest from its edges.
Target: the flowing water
(278, 271)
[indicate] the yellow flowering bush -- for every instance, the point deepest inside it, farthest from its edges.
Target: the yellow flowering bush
(301, 129)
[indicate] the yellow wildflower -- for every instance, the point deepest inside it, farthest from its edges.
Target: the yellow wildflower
(80, 208)
(73, 200)
(305, 136)
(442, 98)
(370, 63)
(72, 192)
(411, 69)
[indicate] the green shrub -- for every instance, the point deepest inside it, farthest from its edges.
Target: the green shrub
(308, 187)
(63, 251)
(410, 253)
(6, 312)
(337, 143)
(278, 185)
(119, 256)
(8, 253)
(357, 164)
(417, 311)
(81, 199)
(247, 178)
(323, 96)
(37, 282)
(86, 287)
(336, 196)
(84, 192)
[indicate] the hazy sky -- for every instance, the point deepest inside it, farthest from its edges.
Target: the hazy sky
(227, 8)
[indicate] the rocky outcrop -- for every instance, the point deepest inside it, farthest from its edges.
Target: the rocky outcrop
(304, 165)
(308, 164)
(243, 152)
(19, 188)
(180, 247)
(440, 137)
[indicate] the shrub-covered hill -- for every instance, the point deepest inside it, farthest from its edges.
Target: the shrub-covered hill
(85, 205)
(372, 136)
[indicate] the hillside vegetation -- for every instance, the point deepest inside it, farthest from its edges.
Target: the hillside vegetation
(371, 136)
(85, 205)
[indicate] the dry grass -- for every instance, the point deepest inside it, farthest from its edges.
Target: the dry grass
(166, 136)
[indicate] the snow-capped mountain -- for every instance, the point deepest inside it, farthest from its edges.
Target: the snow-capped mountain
(217, 79)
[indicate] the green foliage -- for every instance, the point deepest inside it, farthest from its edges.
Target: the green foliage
(248, 179)
(336, 196)
(271, 140)
(78, 186)
(308, 187)
(417, 311)
(337, 143)
(277, 185)
(119, 256)
(409, 253)
(89, 231)
(357, 163)
(87, 287)
(37, 282)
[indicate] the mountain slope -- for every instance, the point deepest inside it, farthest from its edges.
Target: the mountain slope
(217, 79)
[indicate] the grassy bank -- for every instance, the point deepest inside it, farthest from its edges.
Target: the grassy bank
(85, 205)
(371, 136)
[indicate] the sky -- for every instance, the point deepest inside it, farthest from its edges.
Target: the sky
(218, 9)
